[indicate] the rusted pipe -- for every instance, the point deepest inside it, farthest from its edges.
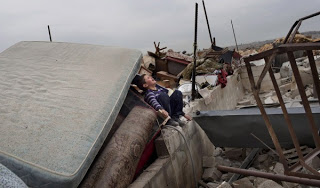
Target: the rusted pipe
(276, 177)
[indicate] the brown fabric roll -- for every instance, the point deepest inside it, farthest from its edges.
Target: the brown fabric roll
(117, 163)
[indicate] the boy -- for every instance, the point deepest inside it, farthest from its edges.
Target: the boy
(158, 98)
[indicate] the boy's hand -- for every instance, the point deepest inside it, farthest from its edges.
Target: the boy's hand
(164, 113)
(189, 118)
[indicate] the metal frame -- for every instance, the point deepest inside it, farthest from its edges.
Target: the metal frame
(290, 172)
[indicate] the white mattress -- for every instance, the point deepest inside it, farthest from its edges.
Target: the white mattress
(58, 103)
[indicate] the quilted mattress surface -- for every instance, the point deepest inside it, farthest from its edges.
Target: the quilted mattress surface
(58, 103)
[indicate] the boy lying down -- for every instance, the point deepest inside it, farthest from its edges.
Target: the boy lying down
(158, 98)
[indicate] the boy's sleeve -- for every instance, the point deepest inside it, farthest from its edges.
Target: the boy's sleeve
(150, 98)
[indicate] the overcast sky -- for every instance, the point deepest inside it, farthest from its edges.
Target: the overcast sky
(137, 23)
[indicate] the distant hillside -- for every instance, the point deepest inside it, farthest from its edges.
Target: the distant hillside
(257, 45)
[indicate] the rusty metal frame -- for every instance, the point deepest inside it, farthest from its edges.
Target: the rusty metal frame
(290, 172)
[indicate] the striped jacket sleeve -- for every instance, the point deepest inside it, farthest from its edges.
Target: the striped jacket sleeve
(150, 98)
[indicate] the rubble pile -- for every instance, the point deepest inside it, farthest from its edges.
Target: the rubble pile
(173, 69)
(299, 38)
(286, 83)
(265, 161)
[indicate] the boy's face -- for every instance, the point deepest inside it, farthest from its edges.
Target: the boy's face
(149, 81)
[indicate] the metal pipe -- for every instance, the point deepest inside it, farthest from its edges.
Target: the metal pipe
(295, 32)
(296, 22)
(195, 54)
(276, 177)
(234, 35)
(205, 12)
(49, 33)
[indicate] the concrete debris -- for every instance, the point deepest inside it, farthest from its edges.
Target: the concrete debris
(269, 184)
(208, 162)
(268, 100)
(278, 168)
(258, 181)
(262, 158)
(149, 62)
(233, 153)
(226, 177)
(285, 88)
(212, 185)
(224, 185)
(315, 163)
(211, 174)
(243, 183)
(218, 151)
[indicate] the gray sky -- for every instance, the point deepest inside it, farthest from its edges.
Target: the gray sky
(137, 23)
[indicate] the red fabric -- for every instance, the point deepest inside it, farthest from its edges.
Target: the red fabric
(222, 78)
(148, 150)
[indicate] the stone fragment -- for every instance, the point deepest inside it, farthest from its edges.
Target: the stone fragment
(308, 92)
(221, 161)
(306, 75)
(211, 174)
(294, 93)
(233, 153)
(269, 184)
(315, 163)
(149, 62)
(285, 88)
(275, 99)
(268, 100)
(259, 181)
(290, 185)
(218, 151)
(242, 183)
(224, 185)
(244, 102)
(285, 70)
(212, 185)
(226, 177)
(262, 158)
(208, 161)
(278, 168)
(285, 80)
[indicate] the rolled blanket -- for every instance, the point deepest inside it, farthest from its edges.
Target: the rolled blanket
(117, 163)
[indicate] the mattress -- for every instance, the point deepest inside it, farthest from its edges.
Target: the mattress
(58, 103)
